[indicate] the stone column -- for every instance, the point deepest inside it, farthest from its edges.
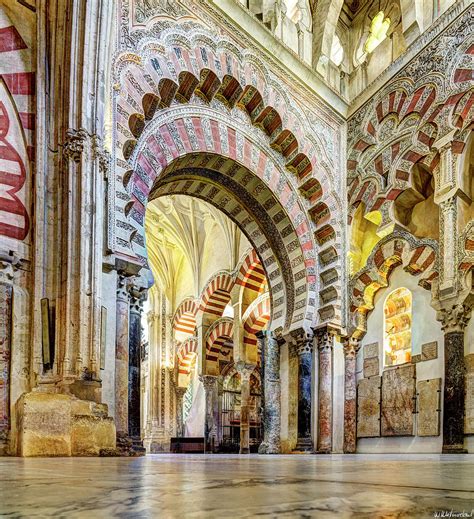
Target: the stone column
(351, 347)
(304, 350)
(271, 392)
(325, 347)
(179, 391)
(454, 321)
(121, 356)
(210, 424)
(134, 361)
(245, 371)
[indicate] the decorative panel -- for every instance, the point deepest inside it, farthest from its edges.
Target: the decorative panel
(429, 351)
(371, 350)
(5, 347)
(398, 394)
(368, 407)
(371, 367)
(429, 405)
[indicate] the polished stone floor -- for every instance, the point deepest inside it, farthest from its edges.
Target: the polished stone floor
(182, 486)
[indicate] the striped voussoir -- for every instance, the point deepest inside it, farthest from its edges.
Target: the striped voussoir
(186, 353)
(216, 295)
(184, 72)
(219, 336)
(257, 320)
(184, 319)
(251, 274)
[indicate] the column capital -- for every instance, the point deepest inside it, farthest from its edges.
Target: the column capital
(325, 339)
(303, 340)
(351, 346)
(245, 369)
(455, 318)
(137, 298)
(208, 381)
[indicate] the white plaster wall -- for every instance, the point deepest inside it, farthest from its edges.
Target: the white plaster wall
(425, 328)
(109, 281)
(338, 398)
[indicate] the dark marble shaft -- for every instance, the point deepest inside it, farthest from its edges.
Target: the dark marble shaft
(134, 374)
(305, 362)
(454, 373)
(271, 388)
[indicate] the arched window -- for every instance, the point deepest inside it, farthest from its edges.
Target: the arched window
(337, 52)
(378, 32)
(397, 327)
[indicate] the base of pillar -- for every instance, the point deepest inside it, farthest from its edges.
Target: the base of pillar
(454, 449)
(324, 451)
(129, 447)
(266, 448)
(53, 424)
(304, 445)
(244, 450)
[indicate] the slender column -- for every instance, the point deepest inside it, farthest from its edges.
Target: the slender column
(245, 371)
(179, 391)
(453, 323)
(325, 347)
(304, 350)
(121, 356)
(134, 361)
(351, 347)
(210, 425)
(271, 443)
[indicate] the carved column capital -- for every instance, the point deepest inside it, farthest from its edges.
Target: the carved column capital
(303, 341)
(137, 298)
(75, 144)
(245, 370)
(454, 319)
(122, 287)
(324, 338)
(351, 347)
(208, 381)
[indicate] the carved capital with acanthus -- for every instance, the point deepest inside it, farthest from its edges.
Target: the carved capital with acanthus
(351, 347)
(209, 382)
(245, 369)
(325, 340)
(303, 341)
(454, 319)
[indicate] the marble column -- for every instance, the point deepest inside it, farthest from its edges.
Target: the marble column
(179, 391)
(304, 350)
(210, 422)
(454, 320)
(134, 361)
(271, 443)
(325, 347)
(245, 371)
(121, 357)
(351, 347)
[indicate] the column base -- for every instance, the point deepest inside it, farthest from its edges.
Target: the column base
(266, 448)
(304, 445)
(129, 447)
(244, 450)
(454, 449)
(53, 424)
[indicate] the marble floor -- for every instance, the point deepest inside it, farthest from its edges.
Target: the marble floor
(182, 486)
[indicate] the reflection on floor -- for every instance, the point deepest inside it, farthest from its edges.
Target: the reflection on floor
(237, 486)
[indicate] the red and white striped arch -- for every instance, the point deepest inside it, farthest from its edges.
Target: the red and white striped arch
(184, 321)
(258, 317)
(251, 274)
(216, 295)
(186, 353)
(218, 336)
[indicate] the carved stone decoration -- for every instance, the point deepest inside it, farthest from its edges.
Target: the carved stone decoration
(368, 407)
(398, 405)
(371, 367)
(371, 350)
(429, 402)
(146, 9)
(455, 318)
(6, 294)
(429, 351)
(75, 144)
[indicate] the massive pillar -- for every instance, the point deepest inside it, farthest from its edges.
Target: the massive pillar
(134, 361)
(121, 357)
(271, 394)
(325, 351)
(351, 347)
(453, 323)
(210, 422)
(304, 350)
